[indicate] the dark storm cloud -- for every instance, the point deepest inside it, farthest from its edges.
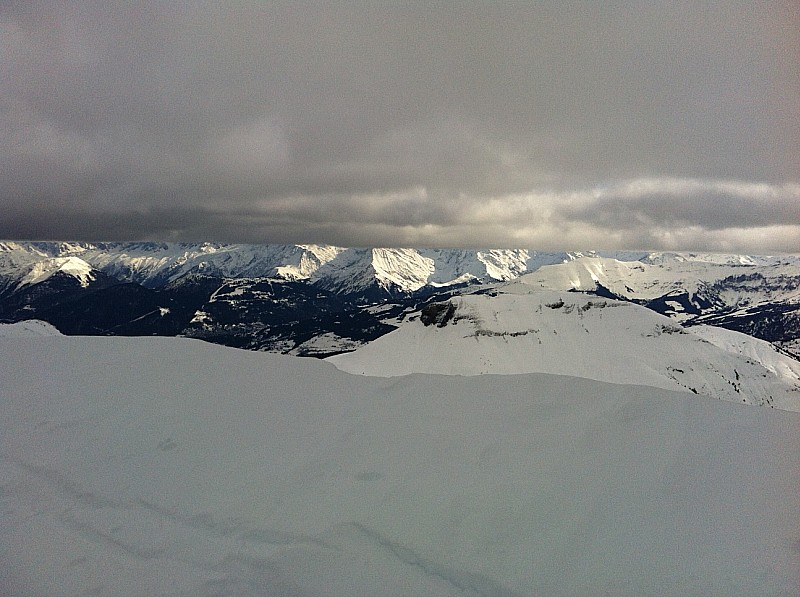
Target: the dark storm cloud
(506, 124)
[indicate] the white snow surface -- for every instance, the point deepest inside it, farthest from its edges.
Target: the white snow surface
(31, 328)
(153, 466)
(518, 329)
(761, 351)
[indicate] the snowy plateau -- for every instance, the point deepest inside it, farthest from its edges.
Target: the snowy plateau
(483, 423)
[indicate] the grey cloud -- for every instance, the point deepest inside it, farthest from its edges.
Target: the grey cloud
(287, 121)
(705, 205)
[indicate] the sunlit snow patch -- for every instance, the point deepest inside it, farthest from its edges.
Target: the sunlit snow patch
(73, 266)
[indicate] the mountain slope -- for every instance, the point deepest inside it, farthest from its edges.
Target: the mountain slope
(759, 296)
(69, 266)
(515, 329)
(148, 466)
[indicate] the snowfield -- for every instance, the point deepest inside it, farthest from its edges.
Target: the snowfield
(152, 466)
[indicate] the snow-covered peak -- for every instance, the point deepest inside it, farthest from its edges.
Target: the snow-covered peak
(72, 266)
(299, 262)
(69, 248)
(586, 273)
(15, 247)
(358, 270)
(405, 268)
(16, 260)
(323, 253)
(351, 270)
(455, 266)
(503, 264)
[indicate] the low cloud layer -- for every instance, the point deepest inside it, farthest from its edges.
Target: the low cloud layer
(541, 125)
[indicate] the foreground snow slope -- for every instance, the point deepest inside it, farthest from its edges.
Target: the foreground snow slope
(144, 466)
(517, 328)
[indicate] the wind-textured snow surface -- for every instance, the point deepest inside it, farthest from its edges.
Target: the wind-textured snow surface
(151, 466)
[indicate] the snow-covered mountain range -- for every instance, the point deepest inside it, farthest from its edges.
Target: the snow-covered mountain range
(345, 270)
(358, 271)
(323, 300)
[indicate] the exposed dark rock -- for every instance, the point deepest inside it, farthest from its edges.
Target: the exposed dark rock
(438, 314)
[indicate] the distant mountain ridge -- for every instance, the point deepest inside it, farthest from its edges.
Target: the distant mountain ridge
(154, 264)
(346, 270)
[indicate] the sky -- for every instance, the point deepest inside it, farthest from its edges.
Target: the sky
(544, 125)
